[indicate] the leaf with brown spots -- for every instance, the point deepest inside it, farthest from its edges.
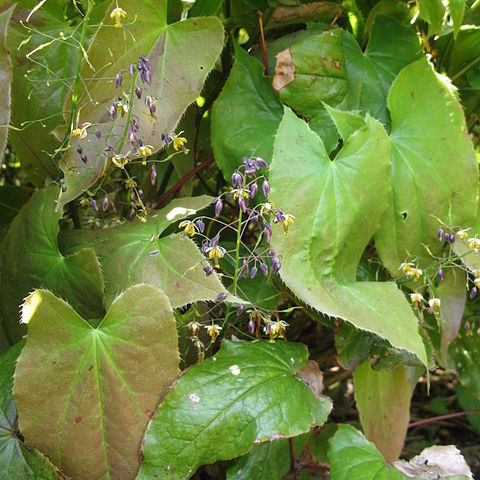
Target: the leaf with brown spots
(84, 395)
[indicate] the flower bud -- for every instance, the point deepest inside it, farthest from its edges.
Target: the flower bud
(237, 180)
(440, 234)
(266, 188)
(200, 225)
(262, 162)
(446, 237)
(254, 190)
(253, 272)
(84, 158)
(214, 241)
(218, 207)
(105, 204)
(441, 275)
(264, 268)
(245, 265)
(131, 214)
(79, 150)
(118, 80)
(268, 231)
(138, 92)
(208, 269)
(131, 69)
(239, 310)
(276, 266)
(251, 327)
(93, 204)
(473, 292)
(98, 133)
(221, 297)
(153, 175)
(242, 204)
(267, 328)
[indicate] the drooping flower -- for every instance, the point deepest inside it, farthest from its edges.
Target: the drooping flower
(216, 252)
(414, 273)
(434, 304)
(179, 142)
(213, 330)
(81, 132)
(193, 326)
(118, 14)
(417, 300)
(474, 244)
(145, 151)
(462, 234)
(120, 160)
(267, 208)
(405, 267)
(189, 227)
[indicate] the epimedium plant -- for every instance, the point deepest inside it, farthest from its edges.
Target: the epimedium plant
(323, 160)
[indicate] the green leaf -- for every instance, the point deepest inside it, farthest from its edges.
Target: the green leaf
(31, 259)
(383, 401)
(222, 395)
(319, 442)
(5, 80)
(424, 155)
(245, 116)
(268, 461)
(180, 61)
(16, 461)
(204, 8)
(40, 84)
(72, 380)
(432, 11)
(346, 199)
(371, 74)
(12, 198)
(353, 346)
(468, 401)
(353, 456)
(258, 292)
(135, 252)
(457, 9)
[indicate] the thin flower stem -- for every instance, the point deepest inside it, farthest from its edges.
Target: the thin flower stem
(425, 421)
(239, 239)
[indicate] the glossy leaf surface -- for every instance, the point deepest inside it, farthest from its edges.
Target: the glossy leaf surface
(262, 400)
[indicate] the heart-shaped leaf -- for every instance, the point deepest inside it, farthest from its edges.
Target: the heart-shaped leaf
(338, 206)
(31, 259)
(16, 461)
(179, 61)
(221, 395)
(135, 252)
(434, 170)
(5, 80)
(84, 395)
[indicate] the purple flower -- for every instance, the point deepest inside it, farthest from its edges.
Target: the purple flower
(153, 175)
(208, 269)
(253, 272)
(441, 275)
(84, 158)
(131, 69)
(242, 204)
(98, 133)
(221, 297)
(276, 266)
(268, 230)
(251, 165)
(267, 328)
(166, 138)
(447, 237)
(138, 92)
(253, 190)
(131, 214)
(214, 241)
(239, 310)
(266, 188)
(118, 80)
(262, 162)
(105, 204)
(133, 139)
(237, 180)
(93, 204)
(251, 327)
(218, 207)
(200, 225)
(440, 234)
(264, 268)
(245, 265)
(473, 292)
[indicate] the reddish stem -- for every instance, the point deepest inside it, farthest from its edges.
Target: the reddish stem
(337, 16)
(443, 417)
(262, 42)
(181, 182)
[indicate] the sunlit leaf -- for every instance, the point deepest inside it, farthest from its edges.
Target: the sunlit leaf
(432, 11)
(225, 394)
(84, 395)
(31, 259)
(135, 252)
(337, 205)
(434, 170)
(180, 60)
(457, 9)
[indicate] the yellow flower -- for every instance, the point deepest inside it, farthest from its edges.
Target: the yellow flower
(179, 142)
(286, 220)
(434, 304)
(278, 328)
(84, 203)
(145, 151)
(188, 228)
(118, 14)
(462, 234)
(216, 252)
(268, 208)
(120, 160)
(193, 326)
(474, 244)
(414, 273)
(213, 330)
(416, 299)
(237, 192)
(406, 267)
(82, 132)
(130, 184)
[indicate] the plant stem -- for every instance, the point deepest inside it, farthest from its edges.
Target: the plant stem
(465, 69)
(443, 417)
(239, 238)
(76, 83)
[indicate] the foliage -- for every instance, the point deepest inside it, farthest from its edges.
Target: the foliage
(323, 156)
